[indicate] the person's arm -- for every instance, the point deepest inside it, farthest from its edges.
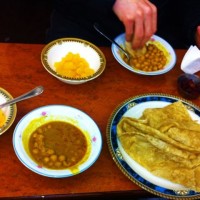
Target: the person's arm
(139, 18)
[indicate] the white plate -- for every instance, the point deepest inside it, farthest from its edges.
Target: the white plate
(134, 107)
(172, 56)
(60, 113)
(136, 112)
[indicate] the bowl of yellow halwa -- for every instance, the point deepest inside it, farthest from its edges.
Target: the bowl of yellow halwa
(57, 141)
(73, 60)
(7, 113)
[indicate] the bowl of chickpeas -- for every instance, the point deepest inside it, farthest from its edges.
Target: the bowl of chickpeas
(57, 141)
(73, 60)
(157, 56)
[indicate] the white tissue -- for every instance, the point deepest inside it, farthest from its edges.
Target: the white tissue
(191, 61)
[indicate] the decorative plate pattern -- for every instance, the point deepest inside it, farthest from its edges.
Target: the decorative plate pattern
(9, 111)
(125, 109)
(47, 114)
(121, 40)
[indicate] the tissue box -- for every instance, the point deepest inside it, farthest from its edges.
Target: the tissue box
(191, 61)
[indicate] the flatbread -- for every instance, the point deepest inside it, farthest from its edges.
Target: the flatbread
(135, 52)
(166, 142)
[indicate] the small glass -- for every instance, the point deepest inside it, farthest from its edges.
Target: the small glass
(189, 86)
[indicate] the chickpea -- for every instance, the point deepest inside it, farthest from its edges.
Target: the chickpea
(161, 53)
(49, 126)
(40, 130)
(155, 68)
(50, 164)
(65, 164)
(35, 135)
(150, 47)
(53, 157)
(133, 61)
(155, 50)
(35, 144)
(147, 55)
(78, 141)
(58, 164)
(35, 151)
(73, 159)
(50, 151)
(142, 57)
(137, 66)
(160, 66)
(46, 159)
(61, 158)
(39, 138)
(43, 150)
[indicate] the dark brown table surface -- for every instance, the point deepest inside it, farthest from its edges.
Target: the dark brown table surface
(21, 70)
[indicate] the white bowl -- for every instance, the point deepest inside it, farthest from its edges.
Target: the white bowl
(57, 49)
(9, 111)
(45, 114)
(170, 51)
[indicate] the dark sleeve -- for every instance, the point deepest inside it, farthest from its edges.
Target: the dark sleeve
(75, 18)
(83, 7)
(86, 12)
(190, 18)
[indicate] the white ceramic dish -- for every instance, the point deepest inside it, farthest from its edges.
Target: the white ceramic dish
(134, 107)
(171, 53)
(136, 112)
(47, 114)
(55, 50)
(9, 111)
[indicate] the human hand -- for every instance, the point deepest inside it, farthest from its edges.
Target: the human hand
(197, 36)
(139, 18)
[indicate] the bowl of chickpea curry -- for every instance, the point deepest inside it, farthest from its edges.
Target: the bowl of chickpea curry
(155, 58)
(7, 113)
(73, 60)
(57, 141)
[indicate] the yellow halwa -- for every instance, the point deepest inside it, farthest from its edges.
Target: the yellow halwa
(2, 118)
(74, 66)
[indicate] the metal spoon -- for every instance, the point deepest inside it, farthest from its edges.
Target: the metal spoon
(97, 28)
(36, 91)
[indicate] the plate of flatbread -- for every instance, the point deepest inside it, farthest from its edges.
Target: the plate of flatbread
(154, 139)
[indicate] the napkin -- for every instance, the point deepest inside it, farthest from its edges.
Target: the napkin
(191, 60)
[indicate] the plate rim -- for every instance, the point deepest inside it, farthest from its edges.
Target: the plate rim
(116, 155)
(15, 138)
(153, 73)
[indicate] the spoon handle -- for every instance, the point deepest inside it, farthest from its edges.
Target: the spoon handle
(97, 28)
(36, 91)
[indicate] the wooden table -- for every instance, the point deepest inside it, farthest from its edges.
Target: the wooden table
(21, 70)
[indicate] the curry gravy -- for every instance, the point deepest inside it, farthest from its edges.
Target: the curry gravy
(57, 145)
